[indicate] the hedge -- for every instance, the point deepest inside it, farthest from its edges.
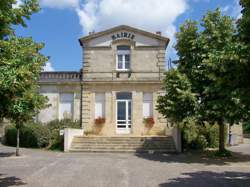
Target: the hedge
(200, 137)
(31, 135)
(38, 135)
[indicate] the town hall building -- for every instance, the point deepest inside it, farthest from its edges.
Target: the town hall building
(116, 91)
(120, 81)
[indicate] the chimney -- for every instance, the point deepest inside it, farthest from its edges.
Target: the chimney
(158, 33)
(92, 32)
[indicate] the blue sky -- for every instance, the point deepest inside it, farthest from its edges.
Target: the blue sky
(61, 22)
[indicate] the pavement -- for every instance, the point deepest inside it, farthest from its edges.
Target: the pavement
(41, 168)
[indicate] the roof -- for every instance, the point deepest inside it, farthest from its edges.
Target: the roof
(123, 27)
(60, 77)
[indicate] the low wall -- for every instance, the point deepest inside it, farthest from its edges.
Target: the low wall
(176, 134)
(69, 135)
(236, 134)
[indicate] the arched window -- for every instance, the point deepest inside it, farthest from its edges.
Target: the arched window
(123, 58)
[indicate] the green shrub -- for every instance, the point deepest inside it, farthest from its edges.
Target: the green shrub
(55, 126)
(40, 135)
(213, 135)
(201, 142)
(193, 137)
(246, 128)
(196, 136)
(10, 135)
(31, 135)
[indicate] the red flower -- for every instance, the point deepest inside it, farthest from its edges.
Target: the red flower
(99, 121)
(149, 122)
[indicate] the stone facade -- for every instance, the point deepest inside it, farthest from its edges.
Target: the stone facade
(100, 75)
(54, 85)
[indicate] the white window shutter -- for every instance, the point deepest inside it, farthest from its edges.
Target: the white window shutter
(99, 105)
(147, 104)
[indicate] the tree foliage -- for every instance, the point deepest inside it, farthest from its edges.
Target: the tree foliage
(243, 25)
(20, 65)
(11, 15)
(179, 102)
(210, 61)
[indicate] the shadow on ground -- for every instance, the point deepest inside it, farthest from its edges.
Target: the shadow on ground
(210, 179)
(10, 181)
(195, 157)
(8, 154)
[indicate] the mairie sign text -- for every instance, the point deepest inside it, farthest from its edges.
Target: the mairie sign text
(123, 35)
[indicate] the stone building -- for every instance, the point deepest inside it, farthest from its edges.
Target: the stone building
(122, 72)
(121, 78)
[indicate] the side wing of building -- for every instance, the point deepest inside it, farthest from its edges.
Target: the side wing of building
(63, 91)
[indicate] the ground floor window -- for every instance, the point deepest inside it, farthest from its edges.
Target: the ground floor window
(147, 105)
(66, 105)
(99, 105)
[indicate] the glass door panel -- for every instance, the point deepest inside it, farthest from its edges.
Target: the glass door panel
(123, 116)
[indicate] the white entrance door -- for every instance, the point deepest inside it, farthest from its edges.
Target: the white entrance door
(123, 120)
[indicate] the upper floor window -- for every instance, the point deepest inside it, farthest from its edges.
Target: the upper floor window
(123, 58)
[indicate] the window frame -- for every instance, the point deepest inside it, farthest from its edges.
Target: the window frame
(61, 102)
(123, 53)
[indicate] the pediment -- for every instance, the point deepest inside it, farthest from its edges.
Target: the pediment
(139, 37)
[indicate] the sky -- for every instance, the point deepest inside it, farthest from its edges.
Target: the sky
(60, 23)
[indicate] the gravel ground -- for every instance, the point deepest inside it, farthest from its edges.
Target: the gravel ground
(37, 168)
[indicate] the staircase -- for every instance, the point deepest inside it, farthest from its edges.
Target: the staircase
(123, 144)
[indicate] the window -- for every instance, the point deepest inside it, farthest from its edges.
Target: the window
(123, 58)
(66, 106)
(147, 105)
(99, 105)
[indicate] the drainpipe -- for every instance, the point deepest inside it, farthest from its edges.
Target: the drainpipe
(81, 88)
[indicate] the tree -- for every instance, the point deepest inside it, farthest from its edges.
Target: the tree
(179, 102)
(209, 58)
(20, 66)
(243, 25)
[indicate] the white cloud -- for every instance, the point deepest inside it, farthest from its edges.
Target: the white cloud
(48, 67)
(233, 9)
(225, 9)
(60, 3)
(150, 15)
(17, 4)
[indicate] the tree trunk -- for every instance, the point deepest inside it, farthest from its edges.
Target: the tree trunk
(17, 142)
(221, 136)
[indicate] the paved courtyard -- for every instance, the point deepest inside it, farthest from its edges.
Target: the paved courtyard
(44, 168)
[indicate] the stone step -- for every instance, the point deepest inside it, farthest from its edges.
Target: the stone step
(120, 141)
(124, 150)
(122, 144)
(123, 138)
(246, 140)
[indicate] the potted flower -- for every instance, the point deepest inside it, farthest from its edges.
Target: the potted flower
(99, 121)
(149, 123)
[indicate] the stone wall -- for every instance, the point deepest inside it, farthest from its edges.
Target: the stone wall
(53, 91)
(110, 90)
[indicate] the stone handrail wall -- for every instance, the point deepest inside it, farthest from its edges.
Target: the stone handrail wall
(60, 76)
